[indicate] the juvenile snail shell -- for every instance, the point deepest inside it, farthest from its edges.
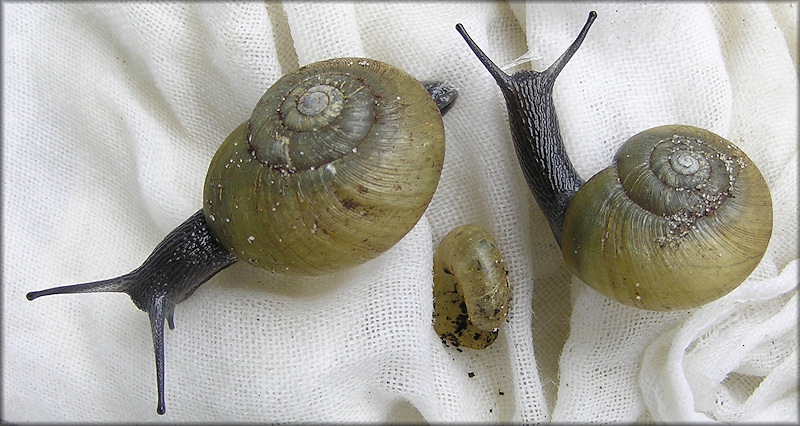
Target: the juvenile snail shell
(682, 218)
(337, 163)
(470, 288)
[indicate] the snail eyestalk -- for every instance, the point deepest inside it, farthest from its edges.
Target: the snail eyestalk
(553, 70)
(186, 258)
(540, 150)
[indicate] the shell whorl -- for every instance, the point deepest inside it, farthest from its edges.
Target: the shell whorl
(337, 163)
(681, 219)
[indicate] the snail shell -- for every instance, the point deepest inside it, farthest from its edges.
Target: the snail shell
(337, 163)
(470, 288)
(681, 219)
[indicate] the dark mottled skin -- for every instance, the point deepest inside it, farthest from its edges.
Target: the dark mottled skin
(540, 150)
(547, 169)
(186, 259)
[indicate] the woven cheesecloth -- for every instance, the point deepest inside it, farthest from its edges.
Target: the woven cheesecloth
(112, 113)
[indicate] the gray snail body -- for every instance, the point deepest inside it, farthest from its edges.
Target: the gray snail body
(470, 288)
(337, 163)
(680, 219)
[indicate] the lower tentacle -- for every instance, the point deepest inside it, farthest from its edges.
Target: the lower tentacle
(156, 313)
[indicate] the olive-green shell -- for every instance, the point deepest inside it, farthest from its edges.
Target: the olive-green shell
(334, 185)
(681, 219)
(470, 288)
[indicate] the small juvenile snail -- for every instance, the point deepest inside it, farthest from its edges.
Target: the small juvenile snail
(681, 218)
(336, 164)
(470, 288)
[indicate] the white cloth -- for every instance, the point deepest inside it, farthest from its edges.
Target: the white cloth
(113, 112)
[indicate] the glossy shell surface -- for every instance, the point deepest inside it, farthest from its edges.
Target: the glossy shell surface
(681, 219)
(337, 163)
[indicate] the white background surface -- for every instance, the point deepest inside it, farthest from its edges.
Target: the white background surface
(111, 114)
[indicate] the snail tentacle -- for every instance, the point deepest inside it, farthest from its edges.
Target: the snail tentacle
(535, 131)
(555, 68)
(113, 285)
(185, 259)
(156, 314)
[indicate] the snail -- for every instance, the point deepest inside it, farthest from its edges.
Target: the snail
(470, 288)
(337, 163)
(680, 219)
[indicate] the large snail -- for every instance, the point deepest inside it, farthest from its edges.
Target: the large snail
(338, 161)
(470, 288)
(681, 218)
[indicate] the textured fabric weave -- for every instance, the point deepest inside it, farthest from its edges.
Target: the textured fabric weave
(111, 114)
